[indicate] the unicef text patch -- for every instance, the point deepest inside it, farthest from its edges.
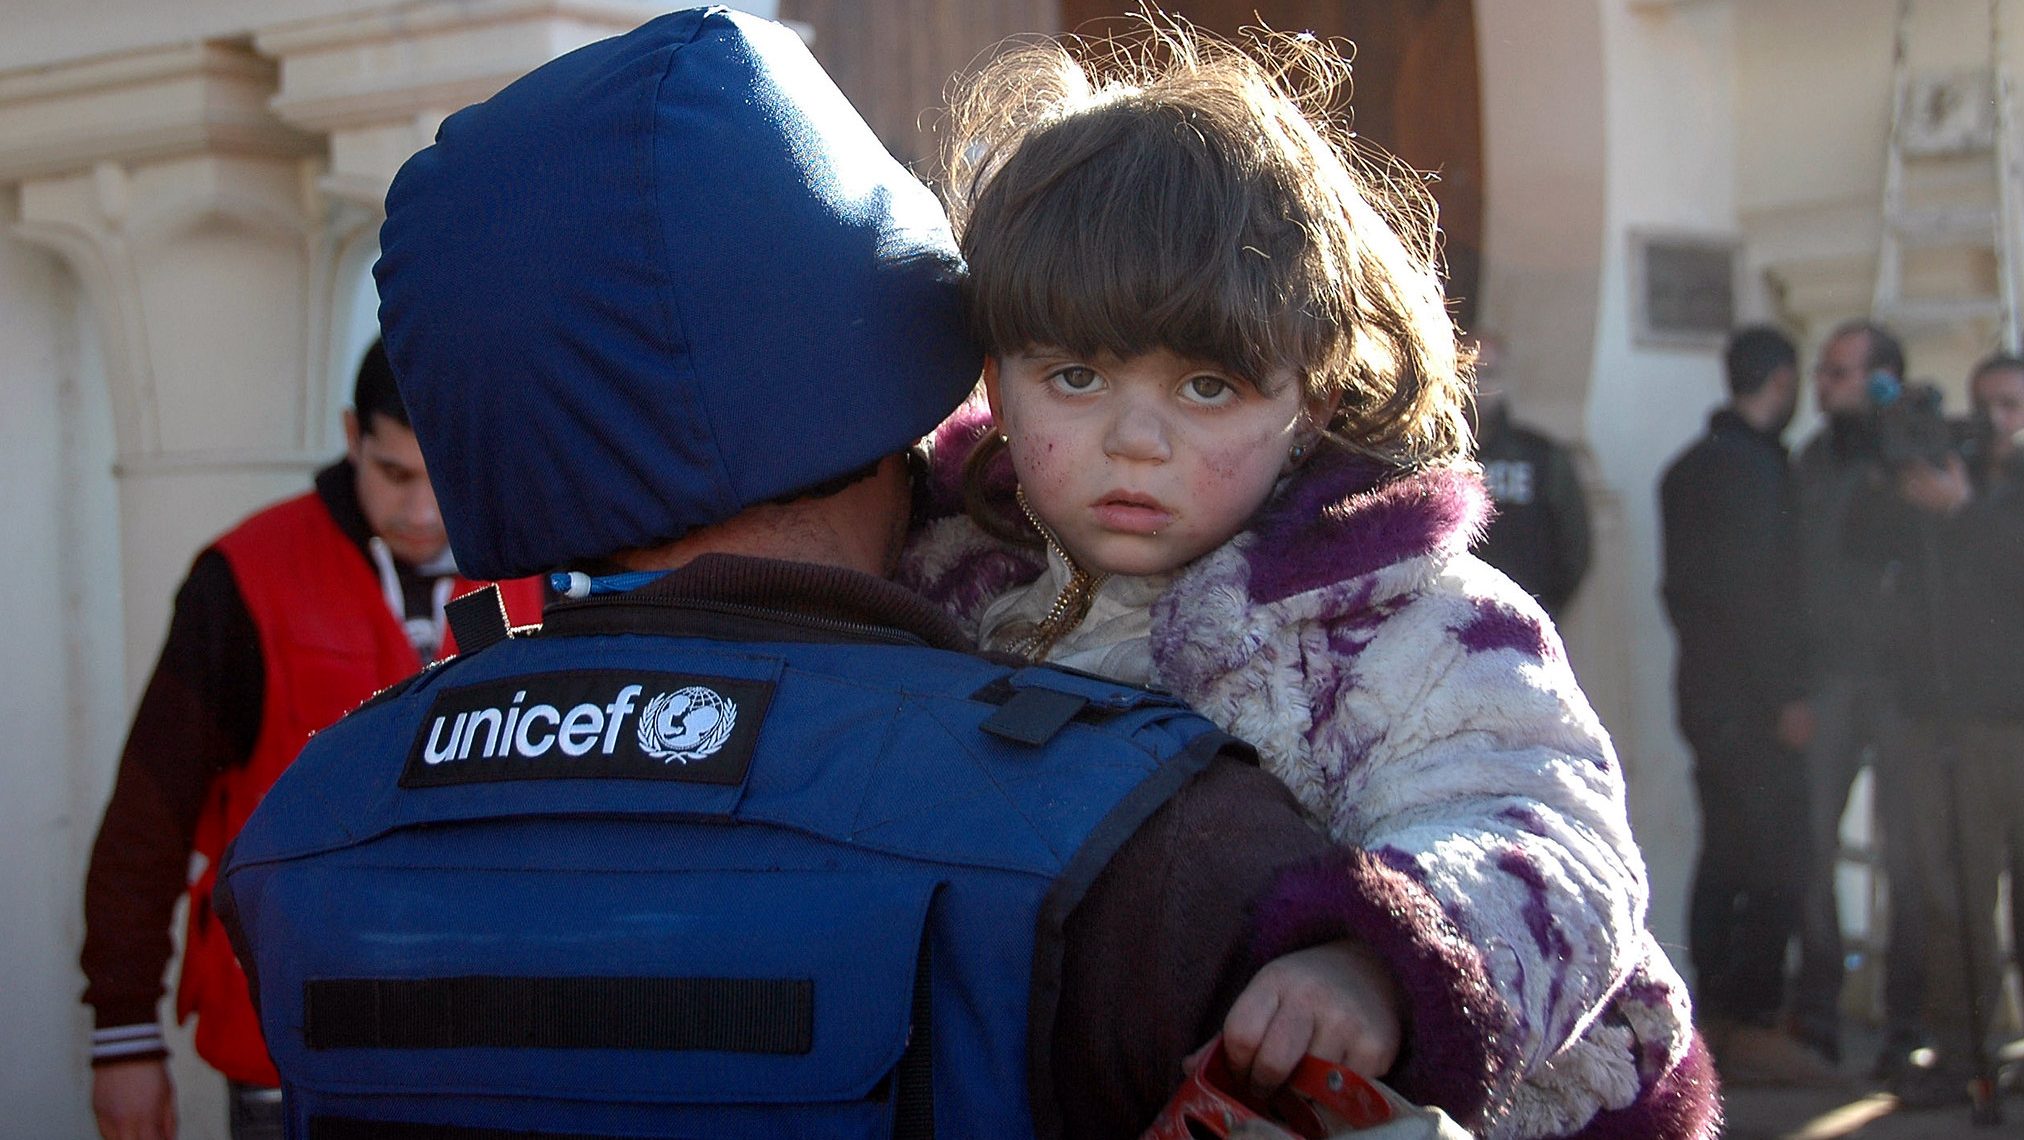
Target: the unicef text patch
(603, 724)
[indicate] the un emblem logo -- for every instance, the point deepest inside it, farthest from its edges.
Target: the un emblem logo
(687, 724)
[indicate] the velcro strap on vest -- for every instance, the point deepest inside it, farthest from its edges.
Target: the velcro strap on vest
(1033, 716)
(351, 1128)
(731, 1015)
(478, 619)
(1038, 701)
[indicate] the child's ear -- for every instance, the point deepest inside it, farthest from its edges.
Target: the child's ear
(1319, 411)
(991, 392)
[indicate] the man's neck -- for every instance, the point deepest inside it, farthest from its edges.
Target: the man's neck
(750, 537)
(857, 528)
(1761, 415)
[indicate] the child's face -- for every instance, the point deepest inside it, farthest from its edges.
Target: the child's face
(1140, 466)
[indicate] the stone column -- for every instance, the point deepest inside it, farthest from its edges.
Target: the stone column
(188, 214)
(378, 83)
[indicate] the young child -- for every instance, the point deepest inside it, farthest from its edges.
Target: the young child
(1227, 385)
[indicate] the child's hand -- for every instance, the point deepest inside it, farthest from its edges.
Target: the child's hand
(1336, 1002)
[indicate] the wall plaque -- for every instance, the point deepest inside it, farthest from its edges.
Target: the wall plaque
(1683, 289)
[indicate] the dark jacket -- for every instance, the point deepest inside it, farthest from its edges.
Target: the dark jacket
(1731, 576)
(1956, 651)
(1539, 535)
(1847, 626)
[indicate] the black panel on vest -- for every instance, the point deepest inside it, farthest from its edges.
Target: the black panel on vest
(1033, 716)
(350, 1128)
(732, 1015)
(478, 619)
(914, 1078)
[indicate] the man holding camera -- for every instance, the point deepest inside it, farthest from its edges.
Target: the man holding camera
(1853, 702)
(1951, 534)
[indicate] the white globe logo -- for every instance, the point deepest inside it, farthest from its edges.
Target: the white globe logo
(687, 724)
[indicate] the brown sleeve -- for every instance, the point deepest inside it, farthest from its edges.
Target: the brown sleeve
(199, 716)
(1161, 944)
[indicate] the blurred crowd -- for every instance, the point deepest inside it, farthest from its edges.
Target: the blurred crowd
(1898, 531)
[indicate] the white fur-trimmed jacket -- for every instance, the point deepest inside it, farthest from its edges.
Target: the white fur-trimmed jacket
(1420, 705)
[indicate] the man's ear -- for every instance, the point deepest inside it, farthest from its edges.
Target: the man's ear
(351, 436)
(991, 391)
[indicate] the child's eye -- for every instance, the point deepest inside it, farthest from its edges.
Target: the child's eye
(1209, 390)
(1075, 379)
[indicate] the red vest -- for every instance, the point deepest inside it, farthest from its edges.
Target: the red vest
(328, 642)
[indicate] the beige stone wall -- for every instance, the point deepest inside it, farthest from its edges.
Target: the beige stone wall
(1814, 84)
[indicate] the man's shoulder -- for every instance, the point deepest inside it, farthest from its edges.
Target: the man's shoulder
(278, 522)
(1534, 439)
(1729, 448)
(1704, 451)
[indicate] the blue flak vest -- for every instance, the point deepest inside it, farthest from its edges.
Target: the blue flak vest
(618, 885)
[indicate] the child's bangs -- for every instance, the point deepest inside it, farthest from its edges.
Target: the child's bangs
(1129, 232)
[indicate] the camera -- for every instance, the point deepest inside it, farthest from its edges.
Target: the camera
(1908, 425)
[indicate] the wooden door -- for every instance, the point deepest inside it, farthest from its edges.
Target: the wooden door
(894, 58)
(1416, 92)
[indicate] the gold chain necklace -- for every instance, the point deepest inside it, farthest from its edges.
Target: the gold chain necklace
(1070, 606)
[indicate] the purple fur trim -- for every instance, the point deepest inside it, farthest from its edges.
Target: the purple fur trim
(1685, 1104)
(1498, 626)
(984, 567)
(1396, 859)
(973, 581)
(952, 444)
(1456, 1022)
(1340, 520)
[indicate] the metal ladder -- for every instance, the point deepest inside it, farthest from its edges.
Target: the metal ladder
(1951, 190)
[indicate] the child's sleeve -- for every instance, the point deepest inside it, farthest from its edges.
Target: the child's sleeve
(1488, 842)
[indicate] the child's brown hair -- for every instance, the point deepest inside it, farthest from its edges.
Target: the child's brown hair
(1169, 190)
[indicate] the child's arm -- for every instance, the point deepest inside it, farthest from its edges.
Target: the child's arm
(1485, 845)
(1336, 1002)
(1485, 830)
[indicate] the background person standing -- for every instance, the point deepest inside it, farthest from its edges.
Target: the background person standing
(1731, 581)
(1539, 535)
(284, 624)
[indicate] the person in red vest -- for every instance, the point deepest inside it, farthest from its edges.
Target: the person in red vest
(285, 623)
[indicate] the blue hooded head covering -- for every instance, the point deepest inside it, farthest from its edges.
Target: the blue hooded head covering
(657, 281)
